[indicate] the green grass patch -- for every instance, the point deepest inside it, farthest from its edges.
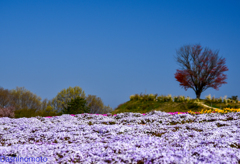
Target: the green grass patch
(138, 106)
(222, 105)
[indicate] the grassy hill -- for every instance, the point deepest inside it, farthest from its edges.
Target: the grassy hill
(147, 103)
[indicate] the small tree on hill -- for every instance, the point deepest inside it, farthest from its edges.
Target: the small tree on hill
(76, 106)
(201, 69)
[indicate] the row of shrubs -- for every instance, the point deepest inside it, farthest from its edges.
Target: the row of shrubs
(155, 97)
(225, 100)
(25, 112)
(169, 98)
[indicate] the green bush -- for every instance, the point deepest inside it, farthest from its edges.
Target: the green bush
(132, 97)
(220, 100)
(76, 106)
(152, 97)
(213, 99)
(165, 98)
(208, 98)
(25, 112)
(235, 98)
(48, 111)
(188, 99)
(144, 97)
(169, 98)
(160, 98)
(181, 98)
(175, 98)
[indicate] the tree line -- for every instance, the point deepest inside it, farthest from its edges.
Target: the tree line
(201, 68)
(21, 102)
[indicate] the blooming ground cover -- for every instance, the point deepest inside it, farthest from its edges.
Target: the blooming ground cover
(155, 137)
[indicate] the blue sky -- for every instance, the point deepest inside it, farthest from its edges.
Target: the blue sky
(113, 49)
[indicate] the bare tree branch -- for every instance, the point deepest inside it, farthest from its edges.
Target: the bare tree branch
(201, 69)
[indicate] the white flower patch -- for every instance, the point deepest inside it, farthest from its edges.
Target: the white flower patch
(156, 137)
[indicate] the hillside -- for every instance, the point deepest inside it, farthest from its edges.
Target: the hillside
(146, 103)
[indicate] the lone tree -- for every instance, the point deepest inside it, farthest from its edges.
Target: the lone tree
(76, 106)
(201, 69)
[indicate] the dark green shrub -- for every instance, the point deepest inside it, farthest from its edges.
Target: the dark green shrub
(220, 100)
(25, 112)
(160, 98)
(235, 98)
(76, 106)
(152, 97)
(144, 97)
(135, 97)
(165, 99)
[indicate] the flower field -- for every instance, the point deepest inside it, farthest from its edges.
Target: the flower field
(155, 137)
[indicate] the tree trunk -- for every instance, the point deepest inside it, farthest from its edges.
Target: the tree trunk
(198, 94)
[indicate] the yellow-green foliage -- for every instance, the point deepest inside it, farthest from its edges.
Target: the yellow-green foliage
(144, 97)
(169, 98)
(65, 96)
(181, 99)
(213, 99)
(226, 101)
(48, 111)
(208, 98)
(152, 97)
(132, 97)
(188, 99)
(220, 100)
(162, 98)
(135, 97)
(24, 99)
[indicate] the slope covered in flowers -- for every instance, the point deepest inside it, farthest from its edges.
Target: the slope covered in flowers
(156, 137)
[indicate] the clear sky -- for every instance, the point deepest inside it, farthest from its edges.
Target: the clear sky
(111, 48)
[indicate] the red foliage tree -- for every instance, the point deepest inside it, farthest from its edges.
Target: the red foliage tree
(201, 69)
